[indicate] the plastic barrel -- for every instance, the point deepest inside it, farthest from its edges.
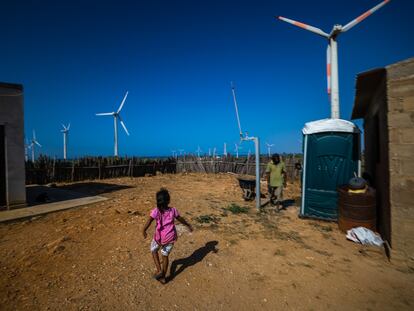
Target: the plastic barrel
(356, 209)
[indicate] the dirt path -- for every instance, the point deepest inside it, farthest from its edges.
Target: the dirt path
(95, 258)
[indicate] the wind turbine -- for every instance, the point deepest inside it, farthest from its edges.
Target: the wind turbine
(198, 151)
(236, 149)
(117, 117)
(225, 149)
(181, 151)
(268, 148)
(256, 145)
(214, 152)
(26, 151)
(34, 142)
(174, 153)
(332, 52)
(65, 132)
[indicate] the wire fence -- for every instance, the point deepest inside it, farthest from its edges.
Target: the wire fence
(48, 170)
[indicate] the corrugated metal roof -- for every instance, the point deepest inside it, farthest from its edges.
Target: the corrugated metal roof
(366, 84)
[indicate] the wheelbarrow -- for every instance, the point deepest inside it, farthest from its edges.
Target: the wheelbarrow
(248, 186)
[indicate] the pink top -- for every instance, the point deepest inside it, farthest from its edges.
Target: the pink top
(165, 232)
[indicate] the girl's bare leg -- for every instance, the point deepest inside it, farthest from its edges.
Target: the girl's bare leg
(156, 261)
(164, 264)
(164, 268)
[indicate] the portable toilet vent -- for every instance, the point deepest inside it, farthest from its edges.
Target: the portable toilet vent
(331, 156)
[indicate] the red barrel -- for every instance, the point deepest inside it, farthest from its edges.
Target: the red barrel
(356, 209)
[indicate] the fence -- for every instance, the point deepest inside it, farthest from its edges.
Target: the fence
(46, 170)
(242, 166)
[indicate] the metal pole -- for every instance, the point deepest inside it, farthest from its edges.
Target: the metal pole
(257, 148)
(115, 137)
(334, 79)
(33, 153)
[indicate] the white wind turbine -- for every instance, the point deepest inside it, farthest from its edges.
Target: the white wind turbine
(65, 133)
(26, 149)
(198, 151)
(332, 52)
(225, 149)
(117, 117)
(34, 142)
(236, 149)
(268, 148)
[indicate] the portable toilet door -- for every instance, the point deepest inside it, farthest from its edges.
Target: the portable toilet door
(331, 157)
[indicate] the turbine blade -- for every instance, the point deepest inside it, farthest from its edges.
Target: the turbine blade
(364, 16)
(68, 127)
(64, 127)
(37, 143)
(328, 68)
(236, 108)
(105, 114)
(34, 134)
(123, 102)
(304, 26)
(123, 124)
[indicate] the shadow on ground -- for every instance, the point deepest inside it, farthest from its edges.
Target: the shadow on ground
(39, 194)
(94, 188)
(197, 256)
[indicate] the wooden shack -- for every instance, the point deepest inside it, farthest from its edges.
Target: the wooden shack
(384, 98)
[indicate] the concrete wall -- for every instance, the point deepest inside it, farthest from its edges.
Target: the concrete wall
(400, 94)
(376, 156)
(12, 116)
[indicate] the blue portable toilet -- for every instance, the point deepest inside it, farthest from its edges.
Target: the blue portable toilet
(331, 157)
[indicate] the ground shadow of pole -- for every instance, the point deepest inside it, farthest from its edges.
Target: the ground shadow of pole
(197, 256)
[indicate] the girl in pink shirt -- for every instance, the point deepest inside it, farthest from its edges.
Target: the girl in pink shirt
(165, 234)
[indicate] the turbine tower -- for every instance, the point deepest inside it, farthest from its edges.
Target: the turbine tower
(117, 117)
(26, 150)
(225, 149)
(236, 149)
(198, 151)
(332, 52)
(268, 148)
(65, 132)
(34, 142)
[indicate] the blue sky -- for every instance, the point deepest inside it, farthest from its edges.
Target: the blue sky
(177, 58)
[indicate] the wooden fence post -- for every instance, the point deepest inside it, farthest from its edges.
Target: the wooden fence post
(73, 171)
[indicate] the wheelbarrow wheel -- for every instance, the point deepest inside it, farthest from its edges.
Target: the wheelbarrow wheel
(248, 195)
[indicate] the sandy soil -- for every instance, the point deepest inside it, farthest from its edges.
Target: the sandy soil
(94, 257)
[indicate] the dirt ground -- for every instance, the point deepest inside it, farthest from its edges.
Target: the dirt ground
(95, 258)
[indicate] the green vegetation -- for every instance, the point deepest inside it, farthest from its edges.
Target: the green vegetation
(236, 209)
(205, 219)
